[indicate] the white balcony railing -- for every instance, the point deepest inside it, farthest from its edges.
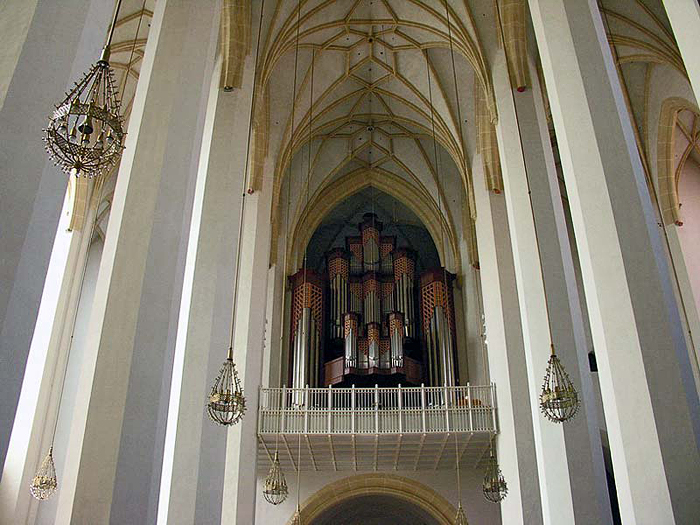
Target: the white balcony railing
(358, 411)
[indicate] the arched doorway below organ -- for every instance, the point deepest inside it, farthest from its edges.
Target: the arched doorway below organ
(375, 509)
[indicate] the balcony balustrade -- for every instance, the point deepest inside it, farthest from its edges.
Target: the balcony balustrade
(376, 428)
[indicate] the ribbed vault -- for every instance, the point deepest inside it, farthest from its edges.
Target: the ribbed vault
(374, 85)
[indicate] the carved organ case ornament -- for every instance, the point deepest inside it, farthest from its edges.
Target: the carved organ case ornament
(360, 323)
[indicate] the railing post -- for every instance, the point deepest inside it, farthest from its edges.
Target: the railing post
(422, 404)
(352, 409)
(306, 410)
(400, 411)
(330, 407)
(447, 410)
(469, 406)
(376, 409)
(283, 410)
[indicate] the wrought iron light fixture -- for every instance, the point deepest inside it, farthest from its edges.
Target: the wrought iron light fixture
(275, 489)
(559, 399)
(494, 485)
(44, 483)
(226, 401)
(85, 136)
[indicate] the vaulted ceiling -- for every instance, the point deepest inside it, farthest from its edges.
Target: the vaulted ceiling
(376, 91)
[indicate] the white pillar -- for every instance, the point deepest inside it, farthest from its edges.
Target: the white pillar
(684, 16)
(38, 407)
(180, 51)
(649, 397)
(582, 434)
(506, 357)
(240, 481)
(40, 62)
(571, 490)
(209, 273)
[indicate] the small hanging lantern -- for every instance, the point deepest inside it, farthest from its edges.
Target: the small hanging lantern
(296, 520)
(559, 400)
(494, 485)
(44, 483)
(461, 518)
(85, 135)
(275, 488)
(226, 401)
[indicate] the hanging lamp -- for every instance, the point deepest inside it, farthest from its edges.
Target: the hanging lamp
(494, 485)
(44, 483)
(84, 136)
(226, 404)
(275, 489)
(559, 401)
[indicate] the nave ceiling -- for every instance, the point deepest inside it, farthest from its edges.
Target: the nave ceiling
(370, 116)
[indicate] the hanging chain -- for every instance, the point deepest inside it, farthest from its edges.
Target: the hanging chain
(253, 100)
(100, 183)
(289, 186)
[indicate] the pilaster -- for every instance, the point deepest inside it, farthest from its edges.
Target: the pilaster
(506, 358)
(572, 490)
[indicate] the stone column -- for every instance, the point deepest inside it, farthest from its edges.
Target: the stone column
(38, 405)
(240, 481)
(684, 16)
(48, 46)
(203, 328)
(179, 54)
(649, 396)
(506, 357)
(573, 489)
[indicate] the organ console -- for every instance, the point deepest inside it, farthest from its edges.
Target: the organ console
(358, 323)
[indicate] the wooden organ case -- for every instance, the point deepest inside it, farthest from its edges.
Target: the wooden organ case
(370, 319)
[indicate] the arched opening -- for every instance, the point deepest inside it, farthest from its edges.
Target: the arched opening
(375, 509)
(397, 499)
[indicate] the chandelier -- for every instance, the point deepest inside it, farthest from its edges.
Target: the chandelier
(85, 135)
(494, 485)
(44, 483)
(275, 486)
(559, 400)
(226, 401)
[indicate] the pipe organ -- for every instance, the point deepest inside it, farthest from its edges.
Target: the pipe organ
(370, 319)
(437, 314)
